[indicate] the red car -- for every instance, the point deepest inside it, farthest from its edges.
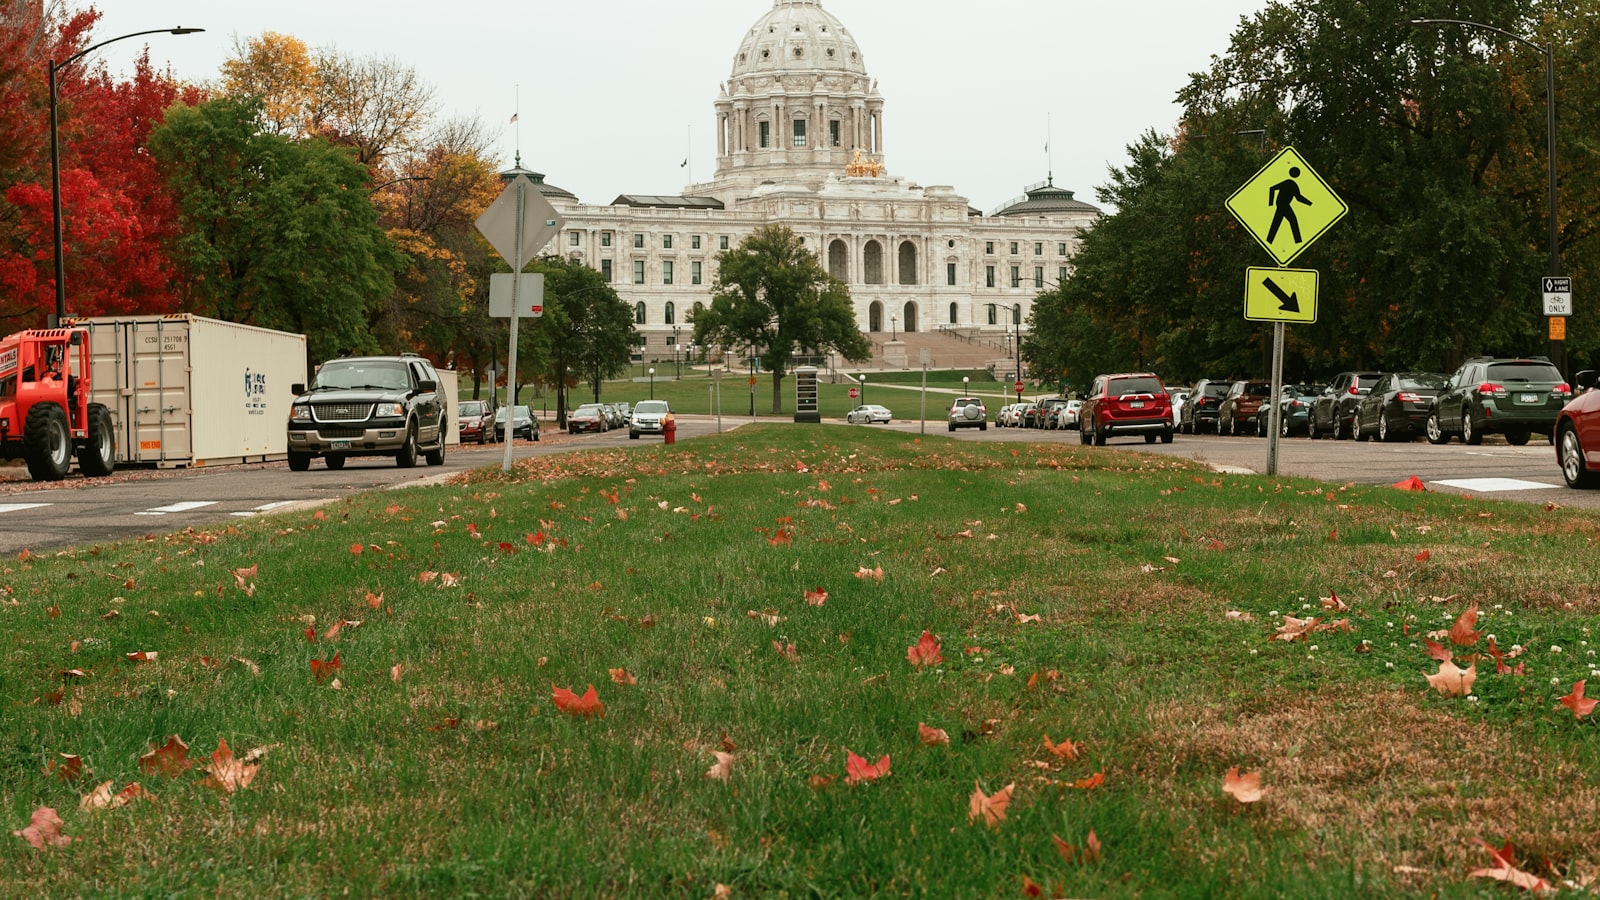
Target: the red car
(475, 420)
(1130, 403)
(1578, 433)
(588, 417)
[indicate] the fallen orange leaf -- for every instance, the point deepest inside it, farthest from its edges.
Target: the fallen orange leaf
(587, 705)
(857, 769)
(227, 774)
(1576, 702)
(1452, 680)
(925, 652)
(170, 759)
(1244, 788)
(991, 807)
(933, 737)
(723, 767)
(44, 829)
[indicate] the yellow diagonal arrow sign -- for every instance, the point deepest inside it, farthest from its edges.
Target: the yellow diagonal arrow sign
(1280, 295)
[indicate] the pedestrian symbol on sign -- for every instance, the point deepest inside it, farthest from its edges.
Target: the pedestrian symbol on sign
(1282, 196)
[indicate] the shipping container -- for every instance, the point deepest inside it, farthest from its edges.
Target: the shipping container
(185, 390)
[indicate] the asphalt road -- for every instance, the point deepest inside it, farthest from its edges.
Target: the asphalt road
(82, 512)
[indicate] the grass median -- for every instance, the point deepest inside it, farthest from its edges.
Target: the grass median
(778, 625)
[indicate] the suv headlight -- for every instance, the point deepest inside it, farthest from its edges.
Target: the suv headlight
(390, 410)
(300, 412)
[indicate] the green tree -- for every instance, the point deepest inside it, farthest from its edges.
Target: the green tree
(772, 294)
(1435, 137)
(586, 334)
(276, 233)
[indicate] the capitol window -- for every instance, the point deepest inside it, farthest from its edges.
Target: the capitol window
(672, 315)
(765, 129)
(638, 313)
(950, 274)
(573, 239)
(988, 247)
(666, 242)
(1038, 276)
(988, 278)
(1013, 248)
(833, 126)
(605, 269)
(1061, 249)
(799, 133)
(666, 272)
(694, 273)
(638, 241)
(605, 238)
(694, 241)
(1038, 248)
(723, 244)
(1016, 276)
(638, 271)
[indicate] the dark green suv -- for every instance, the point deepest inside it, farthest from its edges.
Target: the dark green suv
(1513, 397)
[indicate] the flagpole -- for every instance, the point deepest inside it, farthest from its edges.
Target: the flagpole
(1049, 158)
(688, 153)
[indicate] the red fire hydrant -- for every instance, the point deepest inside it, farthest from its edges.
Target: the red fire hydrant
(669, 428)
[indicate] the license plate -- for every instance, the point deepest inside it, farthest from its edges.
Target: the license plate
(339, 445)
(1527, 398)
(1136, 404)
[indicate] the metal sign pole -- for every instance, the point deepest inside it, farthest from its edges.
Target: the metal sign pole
(511, 364)
(1274, 419)
(924, 428)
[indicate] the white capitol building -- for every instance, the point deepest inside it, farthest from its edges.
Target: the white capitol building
(801, 142)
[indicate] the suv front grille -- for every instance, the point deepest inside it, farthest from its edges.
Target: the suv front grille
(335, 432)
(341, 412)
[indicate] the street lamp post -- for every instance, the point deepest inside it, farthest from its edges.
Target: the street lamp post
(894, 332)
(55, 158)
(677, 349)
(652, 382)
(863, 379)
(1548, 49)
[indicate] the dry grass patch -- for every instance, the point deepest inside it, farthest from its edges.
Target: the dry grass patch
(1382, 780)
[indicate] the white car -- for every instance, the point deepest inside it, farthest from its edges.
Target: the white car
(1068, 417)
(867, 414)
(1179, 398)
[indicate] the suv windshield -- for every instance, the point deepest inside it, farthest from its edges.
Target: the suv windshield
(1215, 389)
(1258, 388)
(651, 406)
(386, 376)
(1523, 372)
(1120, 386)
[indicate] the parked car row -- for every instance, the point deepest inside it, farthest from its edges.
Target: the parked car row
(1050, 414)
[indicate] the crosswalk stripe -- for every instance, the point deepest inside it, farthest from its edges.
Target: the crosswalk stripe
(19, 507)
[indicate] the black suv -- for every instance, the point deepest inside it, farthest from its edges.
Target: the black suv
(1199, 412)
(1514, 397)
(1334, 412)
(369, 406)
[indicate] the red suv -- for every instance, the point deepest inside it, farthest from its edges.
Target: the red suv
(1126, 404)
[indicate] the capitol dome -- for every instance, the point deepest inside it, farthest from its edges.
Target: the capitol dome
(799, 107)
(798, 36)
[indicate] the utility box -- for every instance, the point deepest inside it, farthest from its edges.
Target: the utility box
(185, 390)
(805, 395)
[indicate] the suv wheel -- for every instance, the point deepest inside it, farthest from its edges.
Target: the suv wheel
(1360, 433)
(1517, 438)
(1383, 429)
(1100, 437)
(334, 462)
(436, 455)
(1166, 436)
(406, 458)
(1311, 426)
(1339, 432)
(1469, 434)
(1435, 431)
(299, 462)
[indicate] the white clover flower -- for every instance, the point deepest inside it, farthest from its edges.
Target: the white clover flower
(1491, 637)
(1313, 648)
(1254, 652)
(1273, 614)
(1472, 698)
(1583, 643)
(1516, 648)
(1555, 682)
(1554, 648)
(1305, 606)
(1390, 624)
(1499, 606)
(1388, 665)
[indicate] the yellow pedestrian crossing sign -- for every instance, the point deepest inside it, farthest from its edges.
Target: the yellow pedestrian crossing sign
(1280, 295)
(1286, 206)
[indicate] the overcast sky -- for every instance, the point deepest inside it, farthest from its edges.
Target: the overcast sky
(615, 93)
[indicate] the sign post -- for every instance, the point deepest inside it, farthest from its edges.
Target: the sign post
(517, 224)
(1285, 206)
